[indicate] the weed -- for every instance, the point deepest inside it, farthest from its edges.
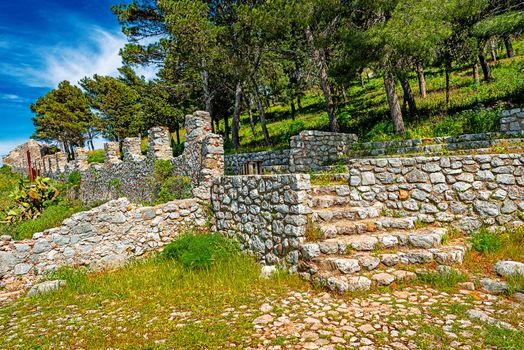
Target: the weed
(485, 241)
(96, 156)
(200, 251)
(446, 280)
(313, 232)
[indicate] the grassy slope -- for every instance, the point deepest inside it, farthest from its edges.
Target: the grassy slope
(159, 304)
(147, 301)
(51, 217)
(366, 113)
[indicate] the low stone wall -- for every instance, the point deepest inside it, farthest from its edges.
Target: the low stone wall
(130, 174)
(104, 236)
(267, 214)
(441, 144)
(310, 150)
(470, 190)
(234, 163)
(512, 120)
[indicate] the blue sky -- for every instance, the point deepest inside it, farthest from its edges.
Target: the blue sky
(45, 42)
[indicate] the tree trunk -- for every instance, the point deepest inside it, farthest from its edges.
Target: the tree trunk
(448, 71)
(250, 114)
(262, 115)
(408, 95)
(476, 73)
(293, 110)
(235, 127)
(226, 128)
(344, 94)
(509, 46)
(485, 66)
(319, 60)
(177, 132)
(421, 81)
(361, 76)
(492, 52)
(299, 102)
(92, 145)
(394, 105)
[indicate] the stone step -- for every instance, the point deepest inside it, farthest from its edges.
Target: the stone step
(421, 238)
(333, 201)
(355, 227)
(331, 190)
(348, 213)
(363, 282)
(361, 262)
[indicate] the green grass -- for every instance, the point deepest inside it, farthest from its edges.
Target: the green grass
(490, 247)
(150, 304)
(96, 156)
(51, 217)
(447, 280)
(366, 113)
(8, 182)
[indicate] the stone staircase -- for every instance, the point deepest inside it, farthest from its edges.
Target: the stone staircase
(358, 246)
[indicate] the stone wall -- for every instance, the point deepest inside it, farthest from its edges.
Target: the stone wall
(234, 163)
(477, 142)
(130, 174)
(470, 190)
(310, 150)
(267, 214)
(512, 120)
(104, 236)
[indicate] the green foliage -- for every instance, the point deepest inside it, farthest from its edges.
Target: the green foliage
(174, 187)
(30, 199)
(63, 115)
(200, 251)
(445, 280)
(163, 169)
(52, 216)
(96, 156)
(485, 241)
(8, 183)
(74, 179)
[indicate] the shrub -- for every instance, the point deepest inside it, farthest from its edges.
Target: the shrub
(96, 156)
(485, 241)
(200, 251)
(173, 188)
(73, 180)
(30, 199)
(162, 170)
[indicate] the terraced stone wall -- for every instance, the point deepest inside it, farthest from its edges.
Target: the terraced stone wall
(512, 120)
(104, 236)
(267, 214)
(468, 190)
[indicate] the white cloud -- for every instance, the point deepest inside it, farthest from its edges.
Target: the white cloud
(98, 53)
(10, 97)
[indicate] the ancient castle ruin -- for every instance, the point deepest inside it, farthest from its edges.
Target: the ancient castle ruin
(399, 197)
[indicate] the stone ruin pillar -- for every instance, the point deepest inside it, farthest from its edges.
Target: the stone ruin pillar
(61, 161)
(112, 154)
(159, 145)
(132, 149)
(81, 158)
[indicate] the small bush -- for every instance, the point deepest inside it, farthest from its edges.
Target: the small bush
(173, 188)
(485, 241)
(200, 251)
(163, 169)
(74, 179)
(96, 156)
